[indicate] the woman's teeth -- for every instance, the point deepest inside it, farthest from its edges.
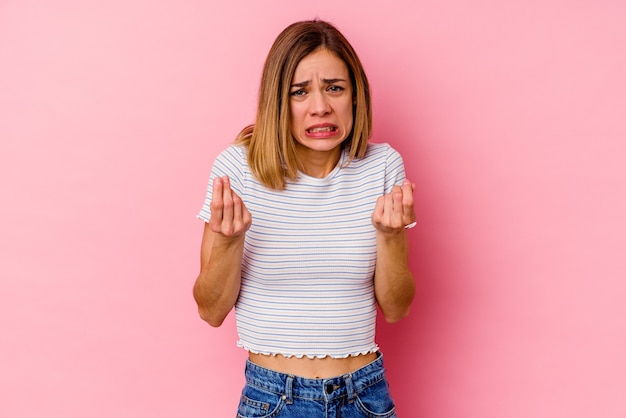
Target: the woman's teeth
(324, 129)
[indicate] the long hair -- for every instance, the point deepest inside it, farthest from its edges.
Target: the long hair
(271, 149)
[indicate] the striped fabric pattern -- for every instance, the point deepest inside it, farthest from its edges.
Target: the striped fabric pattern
(309, 257)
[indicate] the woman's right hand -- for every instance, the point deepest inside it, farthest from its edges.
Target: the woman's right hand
(229, 215)
(217, 287)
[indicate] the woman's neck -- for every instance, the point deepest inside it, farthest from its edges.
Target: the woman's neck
(318, 163)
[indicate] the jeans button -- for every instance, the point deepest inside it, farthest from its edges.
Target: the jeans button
(329, 388)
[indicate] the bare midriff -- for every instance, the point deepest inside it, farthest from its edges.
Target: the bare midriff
(312, 368)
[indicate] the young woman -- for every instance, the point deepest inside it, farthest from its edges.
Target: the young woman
(305, 232)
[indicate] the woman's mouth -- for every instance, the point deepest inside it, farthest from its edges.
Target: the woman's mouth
(322, 130)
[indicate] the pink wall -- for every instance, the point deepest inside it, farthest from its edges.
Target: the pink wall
(511, 118)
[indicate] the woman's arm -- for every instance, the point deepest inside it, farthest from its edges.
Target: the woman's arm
(394, 286)
(217, 287)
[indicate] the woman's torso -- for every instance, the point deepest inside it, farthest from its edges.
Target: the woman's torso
(313, 368)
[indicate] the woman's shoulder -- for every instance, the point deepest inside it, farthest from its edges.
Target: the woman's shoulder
(232, 161)
(381, 150)
(234, 154)
(376, 156)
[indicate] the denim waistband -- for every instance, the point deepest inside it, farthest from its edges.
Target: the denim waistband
(290, 386)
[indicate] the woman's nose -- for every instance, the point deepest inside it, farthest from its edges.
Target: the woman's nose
(319, 105)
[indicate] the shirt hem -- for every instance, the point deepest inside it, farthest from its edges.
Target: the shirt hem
(374, 349)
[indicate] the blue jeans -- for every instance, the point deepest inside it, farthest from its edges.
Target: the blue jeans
(363, 393)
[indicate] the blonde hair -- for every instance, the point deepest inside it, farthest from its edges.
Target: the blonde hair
(271, 149)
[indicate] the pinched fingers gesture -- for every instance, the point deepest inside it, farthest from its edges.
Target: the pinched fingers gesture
(395, 211)
(229, 215)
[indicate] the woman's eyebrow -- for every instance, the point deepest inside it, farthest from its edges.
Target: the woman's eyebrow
(324, 81)
(301, 84)
(332, 80)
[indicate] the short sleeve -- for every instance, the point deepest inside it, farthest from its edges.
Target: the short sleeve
(394, 169)
(232, 163)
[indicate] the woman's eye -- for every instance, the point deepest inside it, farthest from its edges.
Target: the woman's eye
(298, 93)
(335, 89)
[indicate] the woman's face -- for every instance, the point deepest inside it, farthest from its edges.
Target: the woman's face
(321, 103)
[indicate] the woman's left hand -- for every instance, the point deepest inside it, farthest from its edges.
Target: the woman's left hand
(395, 210)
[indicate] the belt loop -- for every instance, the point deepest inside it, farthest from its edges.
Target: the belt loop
(349, 387)
(289, 389)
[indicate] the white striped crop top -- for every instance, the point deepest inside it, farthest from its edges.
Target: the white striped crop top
(309, 256)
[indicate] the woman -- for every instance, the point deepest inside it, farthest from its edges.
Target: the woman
(305, 232)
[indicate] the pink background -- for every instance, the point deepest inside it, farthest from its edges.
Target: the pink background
(511, 116)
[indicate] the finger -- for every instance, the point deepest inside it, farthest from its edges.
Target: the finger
(388, 207)
(377, 214)
(247, 217)
(241, 216)
(397, 218)
(238, 213)
(407, 190)
(217, 202)
(228, 211)
(408, 202)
